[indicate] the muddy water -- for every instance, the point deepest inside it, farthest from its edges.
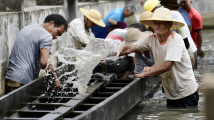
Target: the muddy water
(155, 107)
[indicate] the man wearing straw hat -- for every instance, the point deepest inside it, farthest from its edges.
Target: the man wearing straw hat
(172, 60)
(173, 5)
(115, 19)
(184, 32)
(151, 5)
(80, 28)
(189, 43)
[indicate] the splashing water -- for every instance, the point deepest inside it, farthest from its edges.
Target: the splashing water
(83, 61)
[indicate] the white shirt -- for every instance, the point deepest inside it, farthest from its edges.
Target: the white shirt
(180, 81)
(80, 35)
(177, 16)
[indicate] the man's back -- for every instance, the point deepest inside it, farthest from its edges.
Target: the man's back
(185, 15)
(116, 14)
(80, 34)
(176, 15)
(24, 63)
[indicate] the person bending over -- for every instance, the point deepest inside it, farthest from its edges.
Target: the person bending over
(171, 57)
(31, 51)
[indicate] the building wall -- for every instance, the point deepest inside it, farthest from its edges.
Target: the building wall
(206, 9)
(12, 22)
(104, 7)
(203, 5)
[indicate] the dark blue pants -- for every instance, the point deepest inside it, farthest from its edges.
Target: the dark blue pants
(187, 102)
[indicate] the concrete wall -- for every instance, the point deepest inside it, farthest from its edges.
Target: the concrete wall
(12, 22)
(203, 5)
(29, 3)
(206, 9)
(11, 5)
(104, 7)
(137, 4)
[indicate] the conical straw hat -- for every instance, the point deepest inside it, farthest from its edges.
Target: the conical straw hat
(133, 35)
(94, 16)
(162, 14)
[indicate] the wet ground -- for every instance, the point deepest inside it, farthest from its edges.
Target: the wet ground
(155, 108)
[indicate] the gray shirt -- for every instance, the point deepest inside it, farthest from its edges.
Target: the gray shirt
(24, 63)
(142, 61)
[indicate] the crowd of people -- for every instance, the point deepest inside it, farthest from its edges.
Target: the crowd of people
(166, 42)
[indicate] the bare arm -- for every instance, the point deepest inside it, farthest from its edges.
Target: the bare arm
(200, 41)
(112, 22)
(146, 69)
(128, 49)
(166, 66)
(133, 60)
(44, 62)
(190, 28)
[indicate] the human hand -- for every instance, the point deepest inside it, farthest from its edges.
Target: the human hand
(139, 75)
(200, 53)
(54, 69)
(146, 69)
(57, 84)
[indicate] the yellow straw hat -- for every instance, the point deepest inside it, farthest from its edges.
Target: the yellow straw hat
(94, 16)
(133, 35)
(149, 5)
(162, 14)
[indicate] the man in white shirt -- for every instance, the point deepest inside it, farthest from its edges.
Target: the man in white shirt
(177, 16)
(172, 60)
(79, 32)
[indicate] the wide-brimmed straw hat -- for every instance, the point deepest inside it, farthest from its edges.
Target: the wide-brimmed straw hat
(162, 14)
(133, 35)
(94, 16)
(145, 15)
